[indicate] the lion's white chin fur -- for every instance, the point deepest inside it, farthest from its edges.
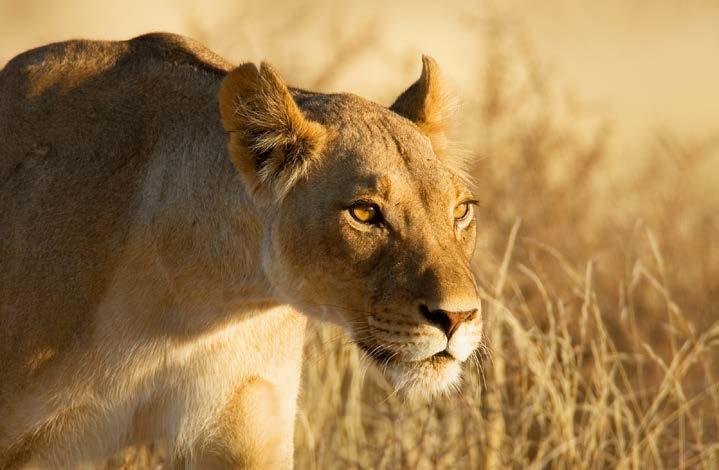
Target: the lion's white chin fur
(424, 379)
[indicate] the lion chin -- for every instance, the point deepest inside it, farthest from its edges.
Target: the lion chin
(424, 379)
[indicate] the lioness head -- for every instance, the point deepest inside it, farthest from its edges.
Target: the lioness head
(364, 220)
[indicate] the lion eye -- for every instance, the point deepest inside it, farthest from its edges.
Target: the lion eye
(460, 212)
(366, 213)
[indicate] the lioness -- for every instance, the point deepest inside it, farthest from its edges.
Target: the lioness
(166, 223)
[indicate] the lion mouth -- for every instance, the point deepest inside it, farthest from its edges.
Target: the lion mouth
(385, 357)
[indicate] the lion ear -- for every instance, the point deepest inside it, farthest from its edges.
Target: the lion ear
(424, 104)
(271, 142)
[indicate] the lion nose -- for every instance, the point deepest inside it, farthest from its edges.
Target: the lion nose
(448, 321)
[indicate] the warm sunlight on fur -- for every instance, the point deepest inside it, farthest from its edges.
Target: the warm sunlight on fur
(586, 136)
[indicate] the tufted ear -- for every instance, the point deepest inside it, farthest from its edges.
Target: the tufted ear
(271, 142)
(424, 104)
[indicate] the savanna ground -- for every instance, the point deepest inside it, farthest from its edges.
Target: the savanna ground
(597, 259)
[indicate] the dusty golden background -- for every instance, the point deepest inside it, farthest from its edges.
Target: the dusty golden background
(647, 63)
(592, 129)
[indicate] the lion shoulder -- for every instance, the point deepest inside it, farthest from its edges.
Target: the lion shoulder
(81, 125)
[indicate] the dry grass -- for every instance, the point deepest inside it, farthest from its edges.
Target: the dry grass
(599, 274)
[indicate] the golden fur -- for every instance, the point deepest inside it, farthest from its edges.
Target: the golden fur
(157, 247)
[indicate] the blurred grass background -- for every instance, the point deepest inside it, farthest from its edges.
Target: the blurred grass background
(592, 130)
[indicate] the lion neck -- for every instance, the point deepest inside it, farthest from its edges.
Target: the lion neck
(207, 232)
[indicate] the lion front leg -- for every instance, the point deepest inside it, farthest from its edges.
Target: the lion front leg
(254, 431)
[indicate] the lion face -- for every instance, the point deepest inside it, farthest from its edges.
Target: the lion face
(371, 229)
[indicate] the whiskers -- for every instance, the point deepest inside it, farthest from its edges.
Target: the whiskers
(405, 380)
(477, 359)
